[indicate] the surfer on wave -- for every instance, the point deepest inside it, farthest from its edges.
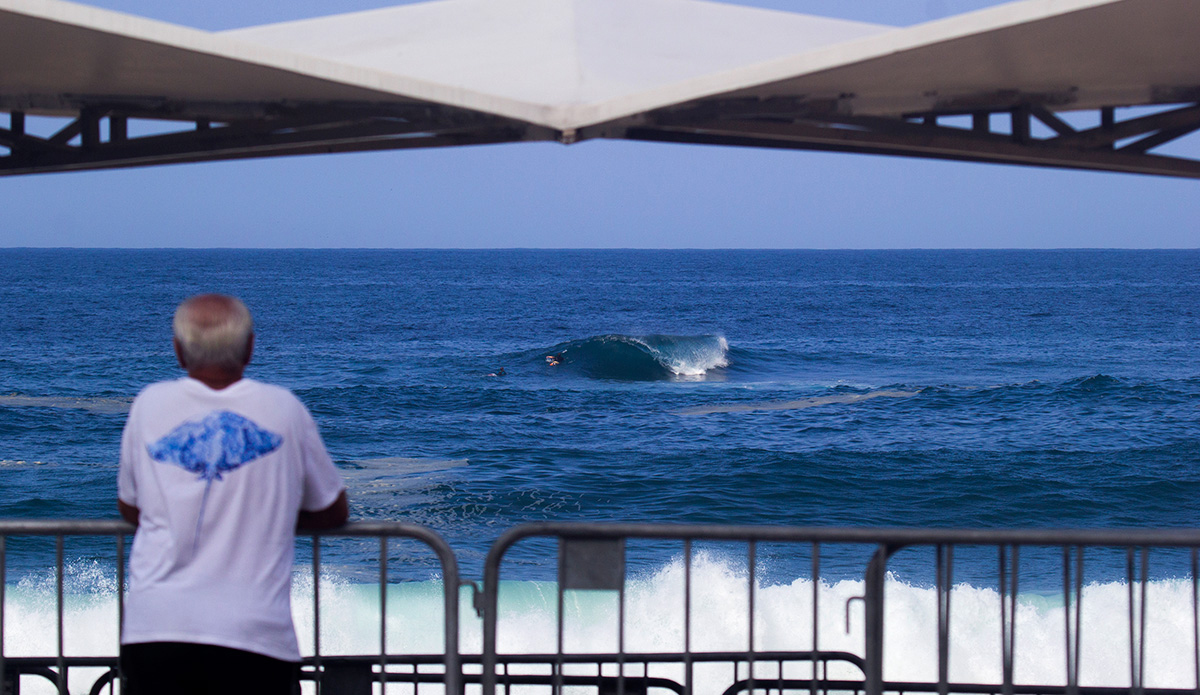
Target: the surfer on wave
(555, 360)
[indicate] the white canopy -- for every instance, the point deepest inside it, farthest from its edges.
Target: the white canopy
(560, 63)
(474, 71)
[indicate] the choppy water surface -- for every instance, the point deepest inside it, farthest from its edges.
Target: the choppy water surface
(473, 391)
(869, 388)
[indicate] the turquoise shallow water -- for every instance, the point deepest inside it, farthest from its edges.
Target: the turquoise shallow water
(956, 388)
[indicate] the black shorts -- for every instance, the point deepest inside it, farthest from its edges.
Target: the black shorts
(181, 668)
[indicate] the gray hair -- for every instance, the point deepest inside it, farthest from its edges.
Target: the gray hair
(213, 330)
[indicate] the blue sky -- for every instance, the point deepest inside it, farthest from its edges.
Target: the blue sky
(595, 194)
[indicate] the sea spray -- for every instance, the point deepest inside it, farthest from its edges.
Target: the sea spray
(89, 620)
(783, 622)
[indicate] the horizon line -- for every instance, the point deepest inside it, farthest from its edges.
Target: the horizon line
(592, 248)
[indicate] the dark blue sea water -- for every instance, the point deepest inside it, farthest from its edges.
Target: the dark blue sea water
(930, 388)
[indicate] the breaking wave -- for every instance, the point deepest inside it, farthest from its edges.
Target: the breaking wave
(642, 358)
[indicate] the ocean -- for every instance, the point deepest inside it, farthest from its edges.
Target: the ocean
(980, 389)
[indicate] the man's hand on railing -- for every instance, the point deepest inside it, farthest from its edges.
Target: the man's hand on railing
(129, 512)
(332, 516)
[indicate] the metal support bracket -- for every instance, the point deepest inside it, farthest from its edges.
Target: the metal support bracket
(591, 564)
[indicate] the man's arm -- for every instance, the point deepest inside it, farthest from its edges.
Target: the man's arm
(332, 516)
(129, 512)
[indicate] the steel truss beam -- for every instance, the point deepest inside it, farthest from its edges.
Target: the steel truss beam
(234, 132)
(1123, 146)
(239, 131)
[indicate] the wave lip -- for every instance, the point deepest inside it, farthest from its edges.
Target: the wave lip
(643, 358)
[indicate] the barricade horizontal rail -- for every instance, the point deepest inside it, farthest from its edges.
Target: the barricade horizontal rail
(600, 584)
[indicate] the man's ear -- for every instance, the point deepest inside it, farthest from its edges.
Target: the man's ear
(249, 349)
(179, 353)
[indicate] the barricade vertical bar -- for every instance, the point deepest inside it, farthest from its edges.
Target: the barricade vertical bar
(558, 645)
(687, 616)
(3, 585)
(945, 582)
(491, 589)
(1142, 618)
(1008, 614)
(383, 547)
(58, 571)
(621, 638)
(1004, 656)
(1072, 685)
(751, 558)
(452, 660)
(1130, 581)
(120, 602)
(1195, 614)
(1078, 612)
(1012, 613)
(816, 597)
(316, 573)
(873, 614)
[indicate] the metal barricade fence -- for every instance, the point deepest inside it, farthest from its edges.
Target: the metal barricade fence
(607, 565)
(351, 675)
(329, 674)
(591, 558)
(55, 668)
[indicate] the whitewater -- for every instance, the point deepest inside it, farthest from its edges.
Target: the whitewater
(655, 624)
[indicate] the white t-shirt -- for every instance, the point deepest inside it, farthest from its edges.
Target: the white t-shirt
(219, 478)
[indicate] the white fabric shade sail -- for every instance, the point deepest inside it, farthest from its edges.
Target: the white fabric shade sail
(452, 72)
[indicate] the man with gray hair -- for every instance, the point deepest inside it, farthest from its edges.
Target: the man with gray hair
(217, 472)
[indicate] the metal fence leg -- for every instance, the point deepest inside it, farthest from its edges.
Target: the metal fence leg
(873, 629)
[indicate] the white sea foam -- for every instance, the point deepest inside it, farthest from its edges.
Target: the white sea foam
(688, 356)
(397, 474)
(107, 406)
(797, 404)
(700, 358)
(402, 464)
(655, 623)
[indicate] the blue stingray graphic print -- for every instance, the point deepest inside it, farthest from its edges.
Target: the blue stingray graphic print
(217, 443)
